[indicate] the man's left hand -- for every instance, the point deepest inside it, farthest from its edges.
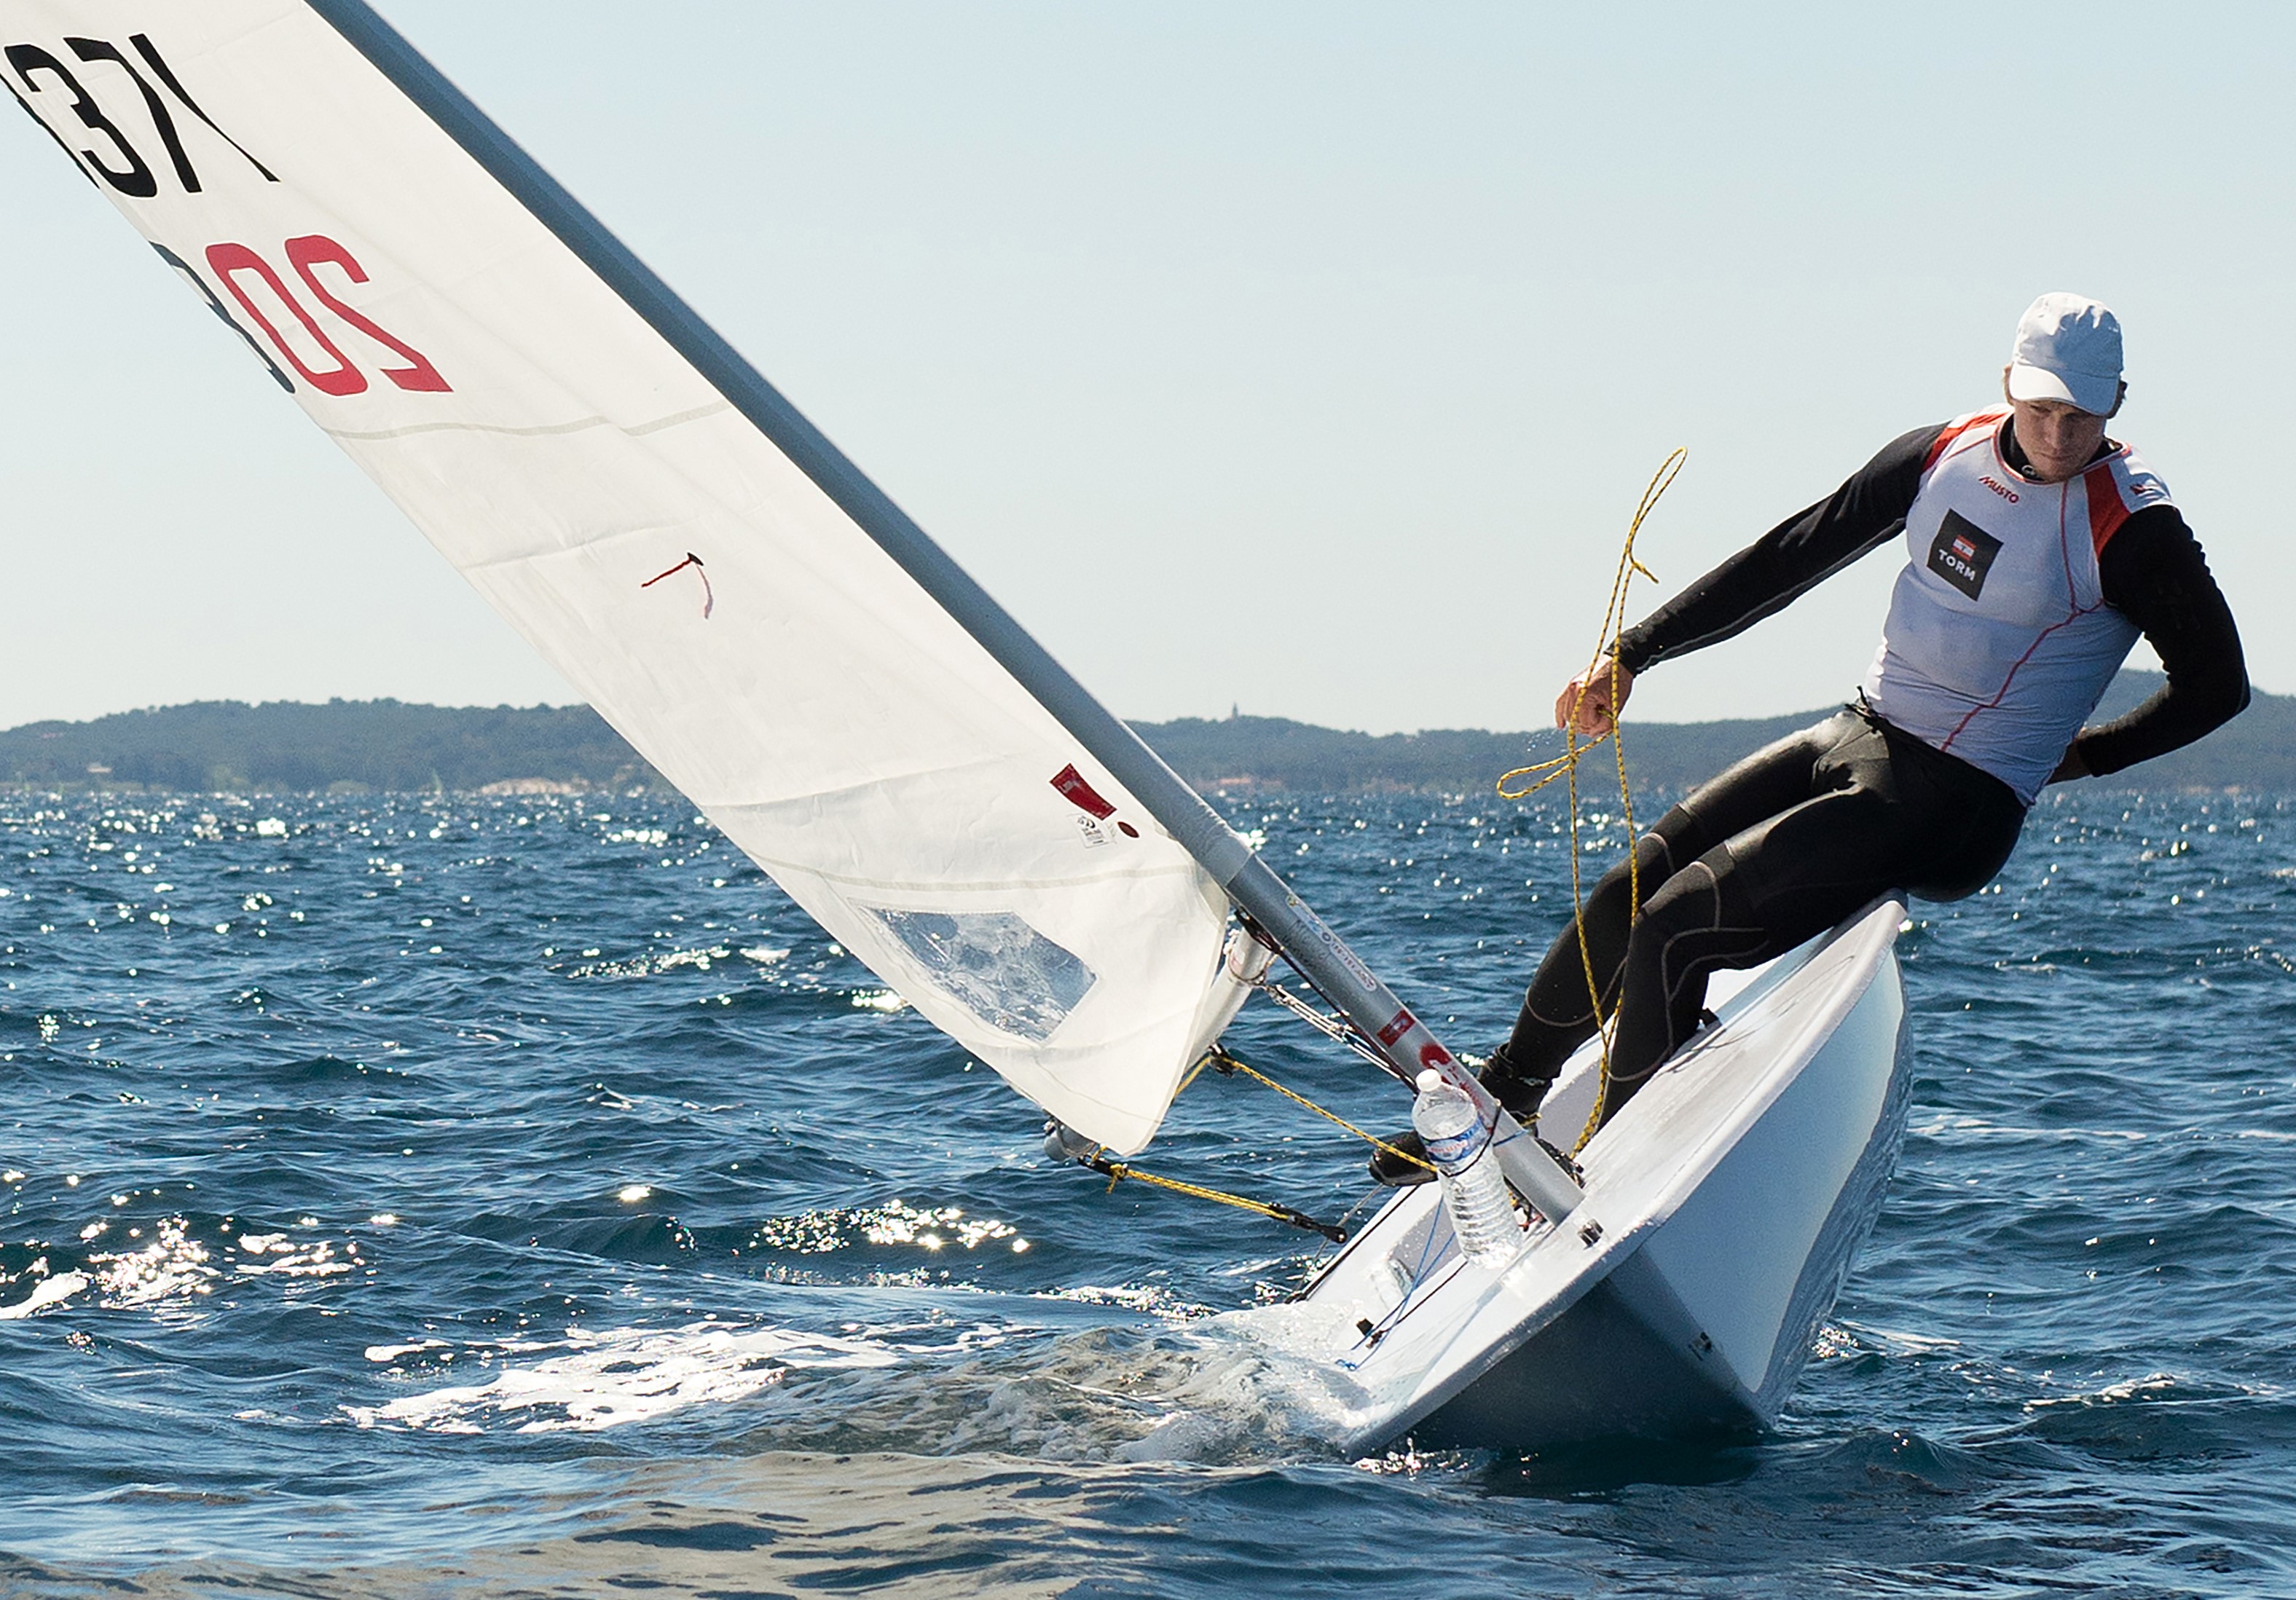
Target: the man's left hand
(2072, 766)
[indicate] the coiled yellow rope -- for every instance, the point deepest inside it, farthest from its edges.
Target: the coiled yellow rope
(1566, 766)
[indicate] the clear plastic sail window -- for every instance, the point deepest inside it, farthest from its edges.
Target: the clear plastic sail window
(1005, 972)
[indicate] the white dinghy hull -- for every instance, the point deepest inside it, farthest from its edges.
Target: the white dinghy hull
(1723, 1210)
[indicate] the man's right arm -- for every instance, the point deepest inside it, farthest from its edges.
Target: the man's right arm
(2152, 572)
(1865, 513)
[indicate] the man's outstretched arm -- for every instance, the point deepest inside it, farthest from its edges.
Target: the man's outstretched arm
(1865, 513)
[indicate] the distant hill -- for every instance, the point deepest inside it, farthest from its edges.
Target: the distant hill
(283, 747)
(286, 747)
(2256, 750)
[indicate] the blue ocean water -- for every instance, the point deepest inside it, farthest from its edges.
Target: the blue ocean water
(517, 1195)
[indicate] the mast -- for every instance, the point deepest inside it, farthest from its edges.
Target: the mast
(1249, 882)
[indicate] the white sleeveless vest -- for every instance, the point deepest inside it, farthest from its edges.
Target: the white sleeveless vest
(1999, 643)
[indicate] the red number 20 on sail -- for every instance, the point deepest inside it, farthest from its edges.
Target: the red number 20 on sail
(250, 280)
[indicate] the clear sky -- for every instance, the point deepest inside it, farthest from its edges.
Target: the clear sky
(1305, 357)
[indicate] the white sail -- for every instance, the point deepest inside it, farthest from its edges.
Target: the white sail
(702, 580)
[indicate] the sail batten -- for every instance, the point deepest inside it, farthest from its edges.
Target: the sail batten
(637, 430)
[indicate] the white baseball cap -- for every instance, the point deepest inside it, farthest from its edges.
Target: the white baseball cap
(2068, 348)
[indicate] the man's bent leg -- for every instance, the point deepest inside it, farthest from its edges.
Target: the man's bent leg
(1752, 898)
(1558, 1013)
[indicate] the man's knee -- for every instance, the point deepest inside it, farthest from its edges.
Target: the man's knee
(1652, 865)
(1685, 902)
(1680, 837)
(1699, 919)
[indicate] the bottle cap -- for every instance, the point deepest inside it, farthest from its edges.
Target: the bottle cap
(1427, 1079)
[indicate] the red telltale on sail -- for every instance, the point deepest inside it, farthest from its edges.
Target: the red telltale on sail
(709, 598)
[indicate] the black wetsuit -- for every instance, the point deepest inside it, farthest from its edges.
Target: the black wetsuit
(1795, 837)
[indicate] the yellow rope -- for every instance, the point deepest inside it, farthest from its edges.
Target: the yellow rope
(1613, 625)
(1566, 766)
(1117, 1171)
(1229, 1063)
(1197, 1071)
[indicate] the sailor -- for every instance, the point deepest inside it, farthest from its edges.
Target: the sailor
(2036, 550)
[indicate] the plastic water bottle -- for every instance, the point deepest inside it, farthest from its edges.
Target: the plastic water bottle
(1482, 1211)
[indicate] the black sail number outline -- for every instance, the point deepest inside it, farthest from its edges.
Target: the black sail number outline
(139, 181)
(165, 74)
(91, 51)
(215, 304)
(41, 123)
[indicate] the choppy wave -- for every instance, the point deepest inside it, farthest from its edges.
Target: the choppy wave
(518, 1193)
(592, 1381)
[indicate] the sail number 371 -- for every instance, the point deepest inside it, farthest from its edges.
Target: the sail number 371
(258, 288)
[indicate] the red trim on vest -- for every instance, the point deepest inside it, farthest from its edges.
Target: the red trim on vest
(1954, 430)
(2106, 511)
(2073, 599)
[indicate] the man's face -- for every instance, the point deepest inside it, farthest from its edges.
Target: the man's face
(2059, 438)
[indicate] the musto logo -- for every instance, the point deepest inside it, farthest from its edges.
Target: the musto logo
(2000, 488)
(1962, 554)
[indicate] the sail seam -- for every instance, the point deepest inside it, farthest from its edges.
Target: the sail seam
(637, 431)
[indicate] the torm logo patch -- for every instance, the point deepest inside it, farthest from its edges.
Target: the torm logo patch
(1962, 554)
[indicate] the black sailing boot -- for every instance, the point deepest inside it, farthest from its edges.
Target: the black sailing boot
(1520, 1095)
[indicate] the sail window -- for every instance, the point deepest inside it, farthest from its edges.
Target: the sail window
(996, 966)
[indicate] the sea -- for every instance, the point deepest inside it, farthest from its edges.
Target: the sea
(517, 1195)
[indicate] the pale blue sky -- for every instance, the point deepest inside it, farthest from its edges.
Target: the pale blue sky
(1309, 356)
